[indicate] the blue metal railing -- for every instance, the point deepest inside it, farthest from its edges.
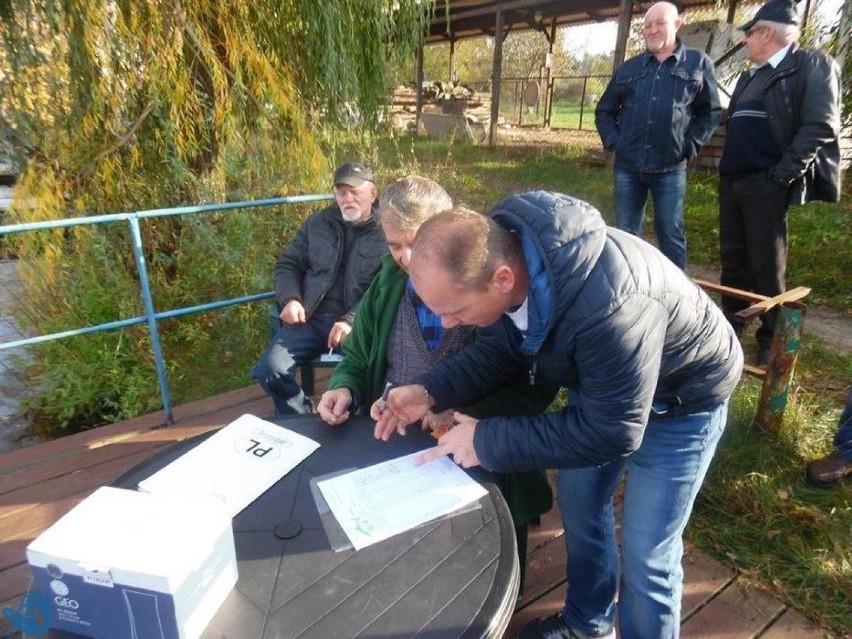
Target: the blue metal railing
(151, 317)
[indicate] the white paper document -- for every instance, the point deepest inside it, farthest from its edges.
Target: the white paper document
(377, 502)
(234, 466)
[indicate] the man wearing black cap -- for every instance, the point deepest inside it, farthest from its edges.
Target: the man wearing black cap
(781, 148)
(319, 280)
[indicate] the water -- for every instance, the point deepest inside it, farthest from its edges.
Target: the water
(13, 424)
(5, 198)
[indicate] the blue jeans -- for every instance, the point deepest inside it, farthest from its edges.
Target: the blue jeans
(669, 192)
(275, 371)
(663, 478)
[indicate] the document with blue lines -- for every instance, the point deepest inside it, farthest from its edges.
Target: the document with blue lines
(377, 502)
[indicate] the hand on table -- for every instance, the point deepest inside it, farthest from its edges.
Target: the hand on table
(334, 406)
(458, 442)
(405, 405)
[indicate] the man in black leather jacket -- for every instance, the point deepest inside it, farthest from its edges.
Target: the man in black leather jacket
(319, 281)
(781, 148)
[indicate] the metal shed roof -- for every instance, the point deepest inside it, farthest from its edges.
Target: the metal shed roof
(458, 19)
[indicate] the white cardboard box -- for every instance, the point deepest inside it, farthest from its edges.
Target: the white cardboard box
(130, 564)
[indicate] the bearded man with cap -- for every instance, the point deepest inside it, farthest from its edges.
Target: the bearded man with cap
(781, 148)
(319, 281)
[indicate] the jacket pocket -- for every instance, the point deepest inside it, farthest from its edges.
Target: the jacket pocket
(634, 91)
(685, 86)
(366, 261)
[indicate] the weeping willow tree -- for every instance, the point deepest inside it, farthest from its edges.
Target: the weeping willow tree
(120, 105)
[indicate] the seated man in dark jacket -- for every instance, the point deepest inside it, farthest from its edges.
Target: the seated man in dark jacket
(396, 338)
(650, 362)
(319, 280)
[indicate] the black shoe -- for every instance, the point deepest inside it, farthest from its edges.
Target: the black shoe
(553, 627)
(763, 356)
(828, 471)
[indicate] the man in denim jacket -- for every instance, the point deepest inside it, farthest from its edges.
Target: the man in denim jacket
(659, 108)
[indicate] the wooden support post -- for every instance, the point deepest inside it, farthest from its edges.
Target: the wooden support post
(418, 80)
(783, 352)
(624, 18)
(842, 44)
(786, 343)
(548, 87)
(453, 77)
(732, 10)
(496, 77)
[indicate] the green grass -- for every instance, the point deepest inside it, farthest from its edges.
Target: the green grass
(755, 512)
(479, 176)
(566, 115)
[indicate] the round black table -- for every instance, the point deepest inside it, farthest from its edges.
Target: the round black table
(456, 577)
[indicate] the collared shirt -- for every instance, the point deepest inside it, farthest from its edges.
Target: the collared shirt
(774, 61)
(656, 115)
(521, 316)
(429, 323)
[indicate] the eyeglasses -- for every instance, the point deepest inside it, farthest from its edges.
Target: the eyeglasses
(754, 30)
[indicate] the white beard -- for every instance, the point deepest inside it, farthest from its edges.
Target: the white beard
(351, 215)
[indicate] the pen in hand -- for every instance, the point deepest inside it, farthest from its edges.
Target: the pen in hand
(383, 402)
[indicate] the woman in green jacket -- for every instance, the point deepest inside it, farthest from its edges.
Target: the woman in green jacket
(395, 338)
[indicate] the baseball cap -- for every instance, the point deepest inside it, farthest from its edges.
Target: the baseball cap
(353, 174)
(781, 11)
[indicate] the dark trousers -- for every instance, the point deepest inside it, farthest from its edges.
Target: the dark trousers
(753, 244)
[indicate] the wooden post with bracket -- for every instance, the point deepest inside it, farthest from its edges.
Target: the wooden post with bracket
(786, 342)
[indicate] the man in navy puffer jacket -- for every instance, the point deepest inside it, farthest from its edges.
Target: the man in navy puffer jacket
(649, 360)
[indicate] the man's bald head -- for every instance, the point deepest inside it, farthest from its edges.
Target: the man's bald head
(660, 29)
(466, 245)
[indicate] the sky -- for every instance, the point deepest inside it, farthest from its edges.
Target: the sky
(600, 37)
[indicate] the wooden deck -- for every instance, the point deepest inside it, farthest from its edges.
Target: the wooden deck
(40, 483)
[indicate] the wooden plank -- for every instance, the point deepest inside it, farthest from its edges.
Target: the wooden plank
(12, 551)
(79, 457)
(545, 570)
(546, 605)
(761, 307)
(104, 435)
(28, 479)
(37, 454)
(72, 483)
(703, 578)
(730, 292)
(14, 582)
(120, 458)
(755, 371)
(26, 515)
(737, 613)
(550, 528)
(792, 625)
